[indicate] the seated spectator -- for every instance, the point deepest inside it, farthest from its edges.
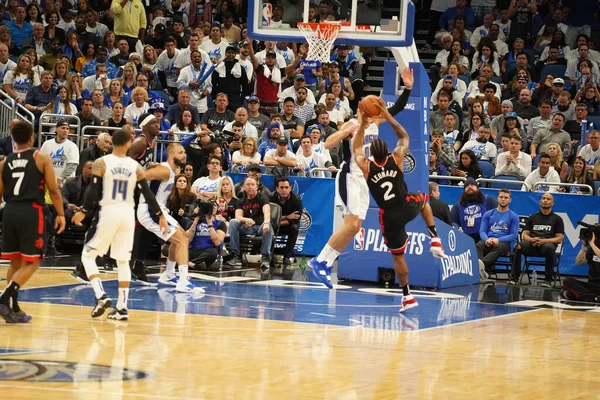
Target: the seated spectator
(578, 175)
(574, 126)
(573, 65)
(456, 56)
(253, 217)
(483, 31)
(439, 208)
(477, 108)
(183, 103)
(498, 229)
(468, 166)
(61, 104)
(101, 57)
(100, 148)
(259, 120)
(273, 134)
(542, 122)
(545, 36)
(98, 108)
(185, 126)
(468, 212)
(227, 201)
(591, 98)
(543, 173)
(543, 232)
(564, 106)
(280, 156)
(553, 58)
(247, 155)
(206, 235)
(521, 80)
(318, 145)
(73, 190)
(437, 169)
(180, 201)
(214, 150)
(139, 105)
(449, 135)
(117, 120)
(206, 186)
(307, 159)
(441, 59)
(64, 153)
(498, 123)
(471, 133)
(115, 93)
(451, 13)
(255, 172)
(590, 153)
(436, 118)
(38, 97)
(514, 162)
(241, 116)
(556, 160)
(513, 126)
(292, 124)
(523, 108)
(482, 147)
(504, 143)
(555, 134)
(501, 46)
(521, 63)
(444, 152)
(291, 211)
(303, 110)
(477, 90)
(334, 115)
(86, 117)
(292, 91)
(448, 84)
(485, 56)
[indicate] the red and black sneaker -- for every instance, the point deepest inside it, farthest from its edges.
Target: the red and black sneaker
(408, 302)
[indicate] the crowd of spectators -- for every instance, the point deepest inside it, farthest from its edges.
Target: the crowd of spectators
(513, 81)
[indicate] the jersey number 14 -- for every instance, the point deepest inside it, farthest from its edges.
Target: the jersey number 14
(119, 192)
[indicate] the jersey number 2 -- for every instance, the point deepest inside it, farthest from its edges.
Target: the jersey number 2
(119, 188)
(387, 186)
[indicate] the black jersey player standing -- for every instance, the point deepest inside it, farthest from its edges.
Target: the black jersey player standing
(397, 207)
(25, 173)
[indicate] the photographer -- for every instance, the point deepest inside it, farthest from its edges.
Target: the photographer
(206, 235)
(291, 211)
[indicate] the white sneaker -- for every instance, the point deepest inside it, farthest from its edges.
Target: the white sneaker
(188, 287)
(169, 279)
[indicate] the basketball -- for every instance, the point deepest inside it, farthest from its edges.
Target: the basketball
(368, 105)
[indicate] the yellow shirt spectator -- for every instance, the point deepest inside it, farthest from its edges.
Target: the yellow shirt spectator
(130, 17)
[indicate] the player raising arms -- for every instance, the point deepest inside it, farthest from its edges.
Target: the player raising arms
(352, 193)
(115, 176)
(24, 174)
(397, 207)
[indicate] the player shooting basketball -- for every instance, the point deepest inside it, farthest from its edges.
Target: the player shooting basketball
(352, 193)
(397, 207)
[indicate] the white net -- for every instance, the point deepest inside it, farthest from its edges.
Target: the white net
(320, 38)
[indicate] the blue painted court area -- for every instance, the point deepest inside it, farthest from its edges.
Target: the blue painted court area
(289, 302)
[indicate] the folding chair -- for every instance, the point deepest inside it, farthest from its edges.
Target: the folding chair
(250, 244)
(539, 262)
(508, 259)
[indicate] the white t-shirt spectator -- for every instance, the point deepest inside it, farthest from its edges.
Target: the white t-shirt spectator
(249, 130)
(216, 51)
(133, 112)
(315, 160)
(184, 57)
(336, 116)
(61, 154)
(341, 105)
(167, 65)
(4, 68)
(21, 83)
(318, 148)
(483, 151)
(534, 177)
(260, 57)
(273, 153)
(205, 184)
(237, 158)
(590, 156)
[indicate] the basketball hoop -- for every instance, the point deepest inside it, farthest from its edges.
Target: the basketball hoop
(320, 37)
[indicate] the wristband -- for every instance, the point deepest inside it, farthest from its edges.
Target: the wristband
(285, 217)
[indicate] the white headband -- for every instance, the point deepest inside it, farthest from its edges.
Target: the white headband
(146, 120)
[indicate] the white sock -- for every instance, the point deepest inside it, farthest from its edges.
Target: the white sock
(333, 255)
(170, 267)
(122, 301)
(324, 254)
(183, 273)
(98, 288)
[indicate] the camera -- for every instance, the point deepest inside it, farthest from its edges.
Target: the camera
(223, 139)
(205, 207)
(586, 233)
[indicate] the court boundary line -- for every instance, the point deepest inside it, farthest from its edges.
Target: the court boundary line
(478, 320)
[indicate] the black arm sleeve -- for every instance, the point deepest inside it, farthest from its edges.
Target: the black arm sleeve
(149, 196)
(400, 103)
(92, 193)
(162, 77)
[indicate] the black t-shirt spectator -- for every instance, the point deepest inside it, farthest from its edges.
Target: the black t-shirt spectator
(544, 226)
(119, 60)
(294, 203)
(253, 208)
(216, 121)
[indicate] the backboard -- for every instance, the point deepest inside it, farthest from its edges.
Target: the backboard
(362, 21)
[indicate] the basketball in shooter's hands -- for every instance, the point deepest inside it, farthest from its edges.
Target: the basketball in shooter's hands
(369, 105)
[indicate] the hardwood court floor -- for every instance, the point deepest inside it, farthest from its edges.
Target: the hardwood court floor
(263, 348)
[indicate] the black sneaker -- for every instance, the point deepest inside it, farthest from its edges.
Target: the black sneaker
(235, 260)
(138, 274)
(8, 314)
(79, 274)
(21, 317)
(101, 305)
(265, 262)
(119, 315)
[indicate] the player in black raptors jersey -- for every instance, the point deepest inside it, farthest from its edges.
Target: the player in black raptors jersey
(397, 207)
(25, 173)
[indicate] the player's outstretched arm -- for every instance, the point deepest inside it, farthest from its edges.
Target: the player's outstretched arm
(346, 132)
(92, 193)
(357, 144)
(403, 144)
(157, 173)
(150, 199)
(408, 79)
(45, 162)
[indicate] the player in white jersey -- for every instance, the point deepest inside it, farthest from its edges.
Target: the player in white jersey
(352, 192)
(116, 176)
(162, 179)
